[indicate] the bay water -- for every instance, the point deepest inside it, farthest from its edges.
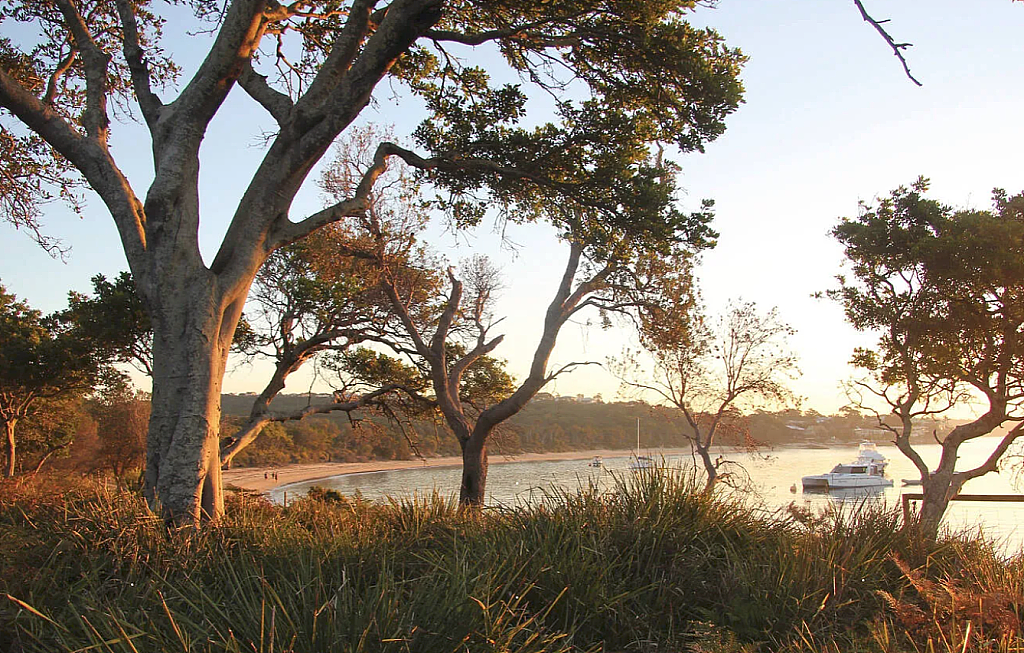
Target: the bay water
(772, 479)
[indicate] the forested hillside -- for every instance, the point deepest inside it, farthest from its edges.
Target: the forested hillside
(547, 424)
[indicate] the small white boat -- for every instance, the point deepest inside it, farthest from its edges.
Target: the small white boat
(596, 461)
(639, 463)
(867, 471)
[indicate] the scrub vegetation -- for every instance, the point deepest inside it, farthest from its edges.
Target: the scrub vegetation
(656, 565)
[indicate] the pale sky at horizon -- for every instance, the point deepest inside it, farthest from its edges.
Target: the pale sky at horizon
(829, 120)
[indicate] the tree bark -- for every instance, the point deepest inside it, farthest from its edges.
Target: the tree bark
(192, 332)
(709, 467)
(937, 489)
(242, 439)
(11, 447)
(474, 470)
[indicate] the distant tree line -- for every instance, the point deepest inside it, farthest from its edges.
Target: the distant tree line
(545, 425)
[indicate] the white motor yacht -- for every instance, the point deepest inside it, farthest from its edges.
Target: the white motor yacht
(868, 470)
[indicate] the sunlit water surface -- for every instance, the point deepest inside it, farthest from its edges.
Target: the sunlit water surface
(774, 479)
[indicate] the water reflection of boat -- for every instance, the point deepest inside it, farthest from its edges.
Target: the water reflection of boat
(867, 471)
(849, 494)
(641, 462)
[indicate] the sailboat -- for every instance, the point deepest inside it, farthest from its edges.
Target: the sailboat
(639, 462)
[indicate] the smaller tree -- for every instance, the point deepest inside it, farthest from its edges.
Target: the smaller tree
(315, 300)
(943, 290)
(711, 373)
(122, 420)
(51, 429)
(41, 360)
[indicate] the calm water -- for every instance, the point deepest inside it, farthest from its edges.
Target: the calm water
(772, 481)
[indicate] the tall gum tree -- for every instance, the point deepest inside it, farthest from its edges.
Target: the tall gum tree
(943, 290)
(643, 73)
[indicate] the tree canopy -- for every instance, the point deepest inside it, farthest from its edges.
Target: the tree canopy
(943, 289)
(42, 360)
(709, 371)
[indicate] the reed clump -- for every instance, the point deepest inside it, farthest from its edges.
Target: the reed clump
(655, 565)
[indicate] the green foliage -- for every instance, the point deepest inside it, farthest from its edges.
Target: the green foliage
(115, 319)
(43, 361)
(654, 565)
(943, 286)
(377, 369)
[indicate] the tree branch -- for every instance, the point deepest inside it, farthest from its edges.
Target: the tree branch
(285, 232)
(141, 79)
(244, 24)
(992, 463)
(276, 103)
(90, 157)
(94, 117)
(254, 426)
(341, 56)
(897, 48)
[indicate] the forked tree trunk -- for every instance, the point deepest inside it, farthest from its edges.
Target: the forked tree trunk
(474, 471)
(709, 467)
(937, 490)
(191, 335)
(10, 446)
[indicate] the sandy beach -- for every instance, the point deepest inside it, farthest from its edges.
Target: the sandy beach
(261, 479)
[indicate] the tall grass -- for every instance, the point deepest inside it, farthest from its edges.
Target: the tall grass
(655, 565)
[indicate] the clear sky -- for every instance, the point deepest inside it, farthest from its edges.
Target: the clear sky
(829, 120)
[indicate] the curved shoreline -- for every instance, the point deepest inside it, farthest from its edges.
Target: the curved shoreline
(261, 479)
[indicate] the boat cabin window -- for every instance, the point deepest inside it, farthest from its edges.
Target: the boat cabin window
(850, 469)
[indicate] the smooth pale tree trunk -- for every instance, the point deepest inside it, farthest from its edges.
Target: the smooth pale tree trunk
(192, 331)
(11, 447)
(474, 471)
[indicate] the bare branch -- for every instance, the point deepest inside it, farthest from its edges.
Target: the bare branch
(51, 85)
(897, 48)
(568, 367)
(255, 425)
(992, 463)
(237, 39)
(285, 232)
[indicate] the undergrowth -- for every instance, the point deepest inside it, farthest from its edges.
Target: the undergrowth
(655, 565)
